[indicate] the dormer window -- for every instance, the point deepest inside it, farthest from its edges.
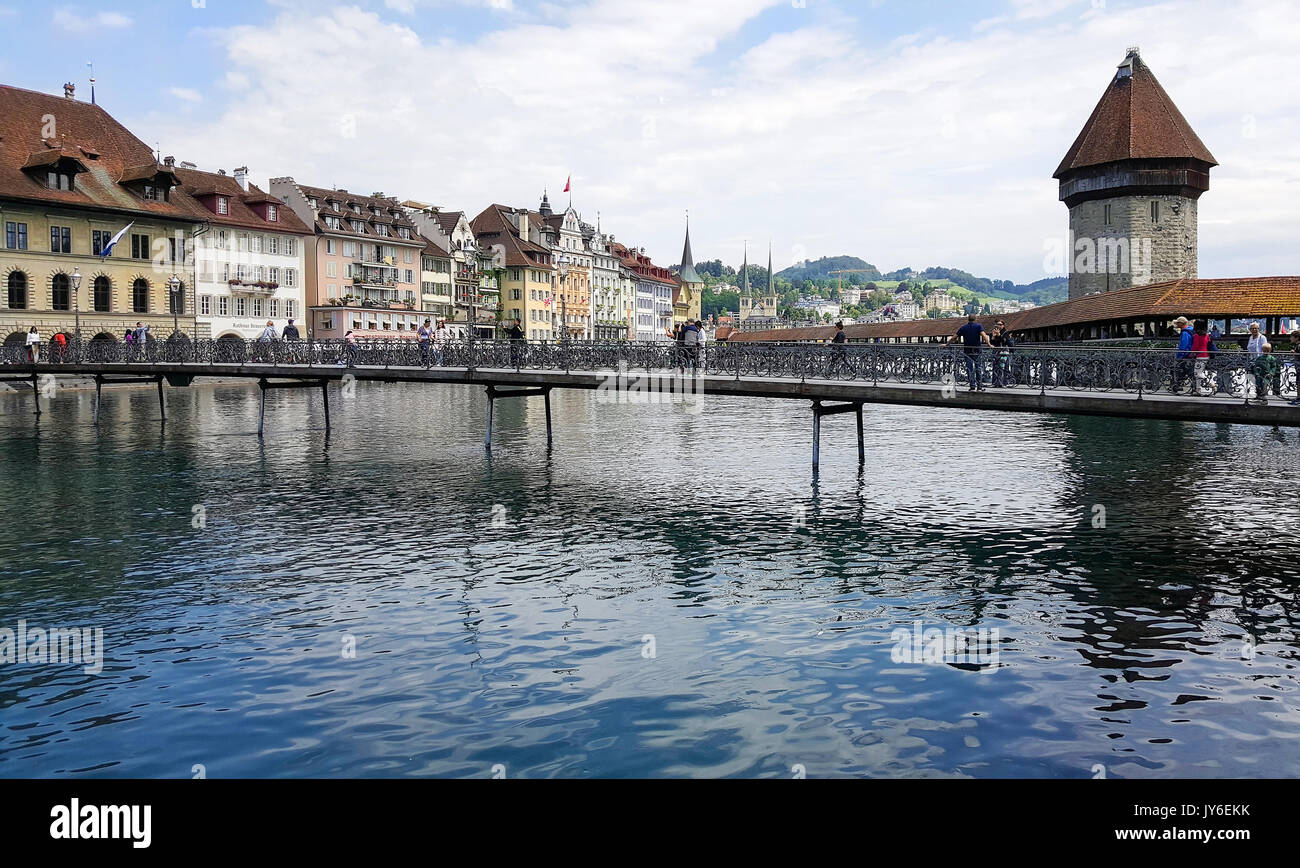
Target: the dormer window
(57, 180)
(381, 229)
(335, 206)
(313, 202)
(404, 232)
(357, 226)
(223, 205)
(272, 214)
(154, 193)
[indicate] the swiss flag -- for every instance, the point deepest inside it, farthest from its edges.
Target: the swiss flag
(568, 183)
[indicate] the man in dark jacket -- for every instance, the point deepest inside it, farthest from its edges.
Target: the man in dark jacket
(516, 336)
(1003, 341)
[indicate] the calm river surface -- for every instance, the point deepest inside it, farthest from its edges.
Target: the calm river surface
(665, 594)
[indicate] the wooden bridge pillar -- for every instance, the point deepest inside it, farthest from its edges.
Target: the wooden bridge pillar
(819, 410)
(494, 394)
(264, 384)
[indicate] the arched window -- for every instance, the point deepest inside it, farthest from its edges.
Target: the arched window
(176, 299)
(103, 301)
(17, 290)
(61, 296)
(140, 295)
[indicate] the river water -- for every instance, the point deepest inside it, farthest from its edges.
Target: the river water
(664, 593)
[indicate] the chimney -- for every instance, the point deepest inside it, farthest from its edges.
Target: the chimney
(241, 178)
(221, 171)
(69, 90)
(169, 162)
(378, 195)
(523, 225)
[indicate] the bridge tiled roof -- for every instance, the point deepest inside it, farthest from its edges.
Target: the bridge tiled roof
(1237, 297)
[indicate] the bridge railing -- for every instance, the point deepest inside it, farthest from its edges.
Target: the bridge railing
(1038, 367)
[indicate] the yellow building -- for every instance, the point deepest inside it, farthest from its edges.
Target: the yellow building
(71, 180)
(527, 272)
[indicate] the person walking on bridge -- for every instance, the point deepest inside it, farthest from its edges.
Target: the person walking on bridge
(516, 336)
(973, 338)
(441, 335)
(423, 336)
(33, 345)
(1183, 358)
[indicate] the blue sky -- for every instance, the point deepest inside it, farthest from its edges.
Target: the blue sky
(909, 133)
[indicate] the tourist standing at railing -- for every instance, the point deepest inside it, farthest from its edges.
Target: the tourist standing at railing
(441, 335)
(973, 338)
(349, 349)
(264, 341)
(1183, 358)
(422, 337)
(1203, 349)
(1266, 369)
(690, 345)
(516, 336)
(33, 345)
(1002, 340)
(141, 338)
(1295, 362)
(60, 346)
(291, 337)
(1254, 347)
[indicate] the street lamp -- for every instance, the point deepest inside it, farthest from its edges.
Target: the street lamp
(175, 286)
(76, 307)
(563, 273)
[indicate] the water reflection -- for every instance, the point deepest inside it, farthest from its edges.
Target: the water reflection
(501, 606)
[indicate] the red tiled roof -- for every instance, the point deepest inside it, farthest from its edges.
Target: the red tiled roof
(200, 184)
(366, 203)
(492, 226)
(1135, 119)
(83, 131)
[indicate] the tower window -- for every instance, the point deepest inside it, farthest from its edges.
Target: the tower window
(1155, 212)
(1105, 214)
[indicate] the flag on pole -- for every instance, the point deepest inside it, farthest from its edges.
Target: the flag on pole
(568, 182)
(108, 248)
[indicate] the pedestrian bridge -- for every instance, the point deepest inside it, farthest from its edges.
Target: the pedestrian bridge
(1128, 382)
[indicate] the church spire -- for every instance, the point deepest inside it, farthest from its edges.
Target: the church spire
(770, 290)
(744, 273)
(687, 273)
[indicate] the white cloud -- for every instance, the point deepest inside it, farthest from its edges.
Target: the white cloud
(929, 150)
(188, 94)
(76, 21)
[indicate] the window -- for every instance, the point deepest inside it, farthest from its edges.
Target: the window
(273, 308)
(272, 215)
(290, 276)
(239, 272)
(17, 290)
(349, 248)
(98, 241)
(326, 321)
(223, 205)
(241, 306)
(291, 246)
(16, 236)
(256, 245)
(331, 269)
(56, 180)
(257, 273)
(61, 296)
(140, 295)
(332, 290)
(329, 246)
(274, 274)
(356, 227)
(1155, 212)
(221, 239)
(514, 295)
(332, 223)
(288, 308)
(257, 308)
(1105, 215)
(409, 275)
(223, 305)
(405, 233)
(102, 296)
(406, 255)
(60, 239)
(155, 194)
(380, 228)
(273, 244)
(205, 305)
(139, 246)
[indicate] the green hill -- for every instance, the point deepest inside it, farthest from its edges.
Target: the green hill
(821, 269)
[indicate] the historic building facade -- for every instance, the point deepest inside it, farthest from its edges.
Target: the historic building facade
(250, 263)
(72, 179)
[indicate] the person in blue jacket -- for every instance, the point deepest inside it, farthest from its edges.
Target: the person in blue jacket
(1184, 362)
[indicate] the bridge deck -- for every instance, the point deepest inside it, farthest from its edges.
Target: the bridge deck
(1022, 399)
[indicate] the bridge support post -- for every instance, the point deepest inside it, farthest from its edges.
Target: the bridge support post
(99, 396)
(263, 385)
(162, 406)
(36, 395)
(494, 394)
(820, 410)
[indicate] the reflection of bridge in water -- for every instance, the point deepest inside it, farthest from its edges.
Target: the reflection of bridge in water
(1134, 383)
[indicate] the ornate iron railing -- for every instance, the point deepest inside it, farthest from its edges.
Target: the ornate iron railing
(1038, 367)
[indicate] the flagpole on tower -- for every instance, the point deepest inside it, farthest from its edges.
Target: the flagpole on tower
(91, 64)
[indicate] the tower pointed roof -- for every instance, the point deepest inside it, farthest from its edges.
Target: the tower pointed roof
(688, 274)
(545, 208)
(770, 290)
(744, 272)
(1134, 120)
